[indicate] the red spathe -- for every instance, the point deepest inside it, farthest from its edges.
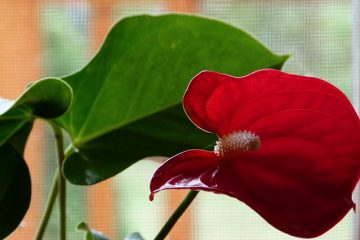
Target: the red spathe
(302, 177)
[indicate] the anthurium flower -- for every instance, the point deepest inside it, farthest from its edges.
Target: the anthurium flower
(289, 147)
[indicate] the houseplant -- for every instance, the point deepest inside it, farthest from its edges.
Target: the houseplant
(124, 105)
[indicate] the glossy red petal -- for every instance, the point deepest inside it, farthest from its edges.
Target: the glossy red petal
(300, 182)
(304, 173)
(302, 177)
(216, 102)
(199, 90)
(192, 169)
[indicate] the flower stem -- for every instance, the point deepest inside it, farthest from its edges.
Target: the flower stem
(176, 215)
(49, 207)
(61, 181)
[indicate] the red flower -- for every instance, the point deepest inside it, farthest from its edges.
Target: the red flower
(289, 147)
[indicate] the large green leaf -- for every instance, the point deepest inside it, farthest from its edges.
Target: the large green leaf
(127, 100)
(15, 189)
(48, 98)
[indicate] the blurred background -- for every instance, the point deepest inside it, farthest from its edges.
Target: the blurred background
(42, 38)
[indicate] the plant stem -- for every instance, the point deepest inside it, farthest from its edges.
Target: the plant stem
(49, 207)
(176, 215)
(61, 181)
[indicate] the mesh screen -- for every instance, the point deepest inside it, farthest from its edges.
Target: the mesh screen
(57, 37)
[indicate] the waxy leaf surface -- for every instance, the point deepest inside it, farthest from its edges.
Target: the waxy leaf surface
(15, 189)
(47, 98)
(127, 100)
(301, 175)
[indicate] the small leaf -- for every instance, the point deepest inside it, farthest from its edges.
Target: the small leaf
(15, 122)
(134, 236)
(48, 98)
(91, 234)
(15, 189)
(127, 100)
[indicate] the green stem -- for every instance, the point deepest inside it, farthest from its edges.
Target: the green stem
(49, 207)
(55, 186)
(61, 181)
(176, 215)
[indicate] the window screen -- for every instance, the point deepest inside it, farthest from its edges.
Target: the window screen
(57, 37)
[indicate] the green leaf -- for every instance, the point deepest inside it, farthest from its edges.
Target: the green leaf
(166, 132)
(127, 100)
(91, 234)
(134, 236)
(48, 98)
(15, 189)
(15, 127)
